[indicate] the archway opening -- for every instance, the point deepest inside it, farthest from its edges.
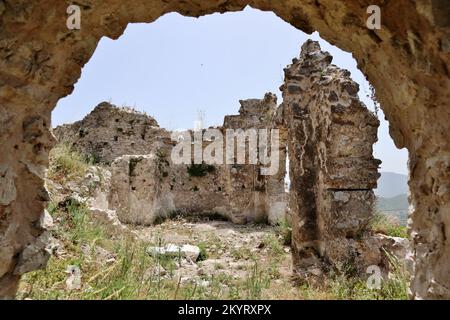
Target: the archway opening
(195, 77)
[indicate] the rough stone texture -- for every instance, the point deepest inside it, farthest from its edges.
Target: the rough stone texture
(373, 250)
(332, 169)
(136, 190)
(36, 255)
(147, 186)
(109, 132)
(406, 61)
(263, 196)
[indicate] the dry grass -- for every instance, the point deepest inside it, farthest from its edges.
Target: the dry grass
(388, 225)
(134, 274)
(66, 164)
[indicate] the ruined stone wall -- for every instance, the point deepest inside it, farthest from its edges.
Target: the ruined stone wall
(263, 195)
(147, 186)
(332, 170)
(137, 190)
(109, 132)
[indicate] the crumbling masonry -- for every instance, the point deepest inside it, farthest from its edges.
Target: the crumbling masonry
(332, 170)
(146, 185)
(330, 134)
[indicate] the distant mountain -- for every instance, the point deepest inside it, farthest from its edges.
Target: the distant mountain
(399, 202)
(392, 196)
(391, 184)
(396, 206)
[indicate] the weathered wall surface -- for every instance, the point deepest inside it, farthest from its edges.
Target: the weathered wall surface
(109, 132)
(406, 61)
(136, 191)
(236, 192)
(332, 170)
(264, 195)
(147, 186)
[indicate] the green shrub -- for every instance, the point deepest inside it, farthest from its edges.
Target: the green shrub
(66, 163)
(393, 288)
(203, 254)
(284, 230)
(200, 170)
(381, 223)
(74, 223)
(272, 242)
(257, 280)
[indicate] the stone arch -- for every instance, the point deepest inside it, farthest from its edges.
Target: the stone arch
(406, 61)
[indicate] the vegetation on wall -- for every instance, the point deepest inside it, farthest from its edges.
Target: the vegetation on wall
(200, 170)
(66, 163)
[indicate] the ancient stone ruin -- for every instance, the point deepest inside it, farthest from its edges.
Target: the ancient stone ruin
(406, 61)
(332, 170)
(329, 134)
(107, 133)
(146, 185)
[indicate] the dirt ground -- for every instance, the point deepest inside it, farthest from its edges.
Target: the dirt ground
(233, 252)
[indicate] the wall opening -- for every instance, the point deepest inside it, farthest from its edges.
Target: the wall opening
(176, 82)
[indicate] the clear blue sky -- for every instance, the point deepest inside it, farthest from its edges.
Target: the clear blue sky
(176, 66)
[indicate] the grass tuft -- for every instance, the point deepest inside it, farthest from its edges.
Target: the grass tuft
(388, 225)
(66, 164)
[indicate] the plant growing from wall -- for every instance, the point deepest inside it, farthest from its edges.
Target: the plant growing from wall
(200, 170)
(132, 166)
(162, 163)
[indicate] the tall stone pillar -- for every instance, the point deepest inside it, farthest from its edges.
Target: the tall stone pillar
(332, 169)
